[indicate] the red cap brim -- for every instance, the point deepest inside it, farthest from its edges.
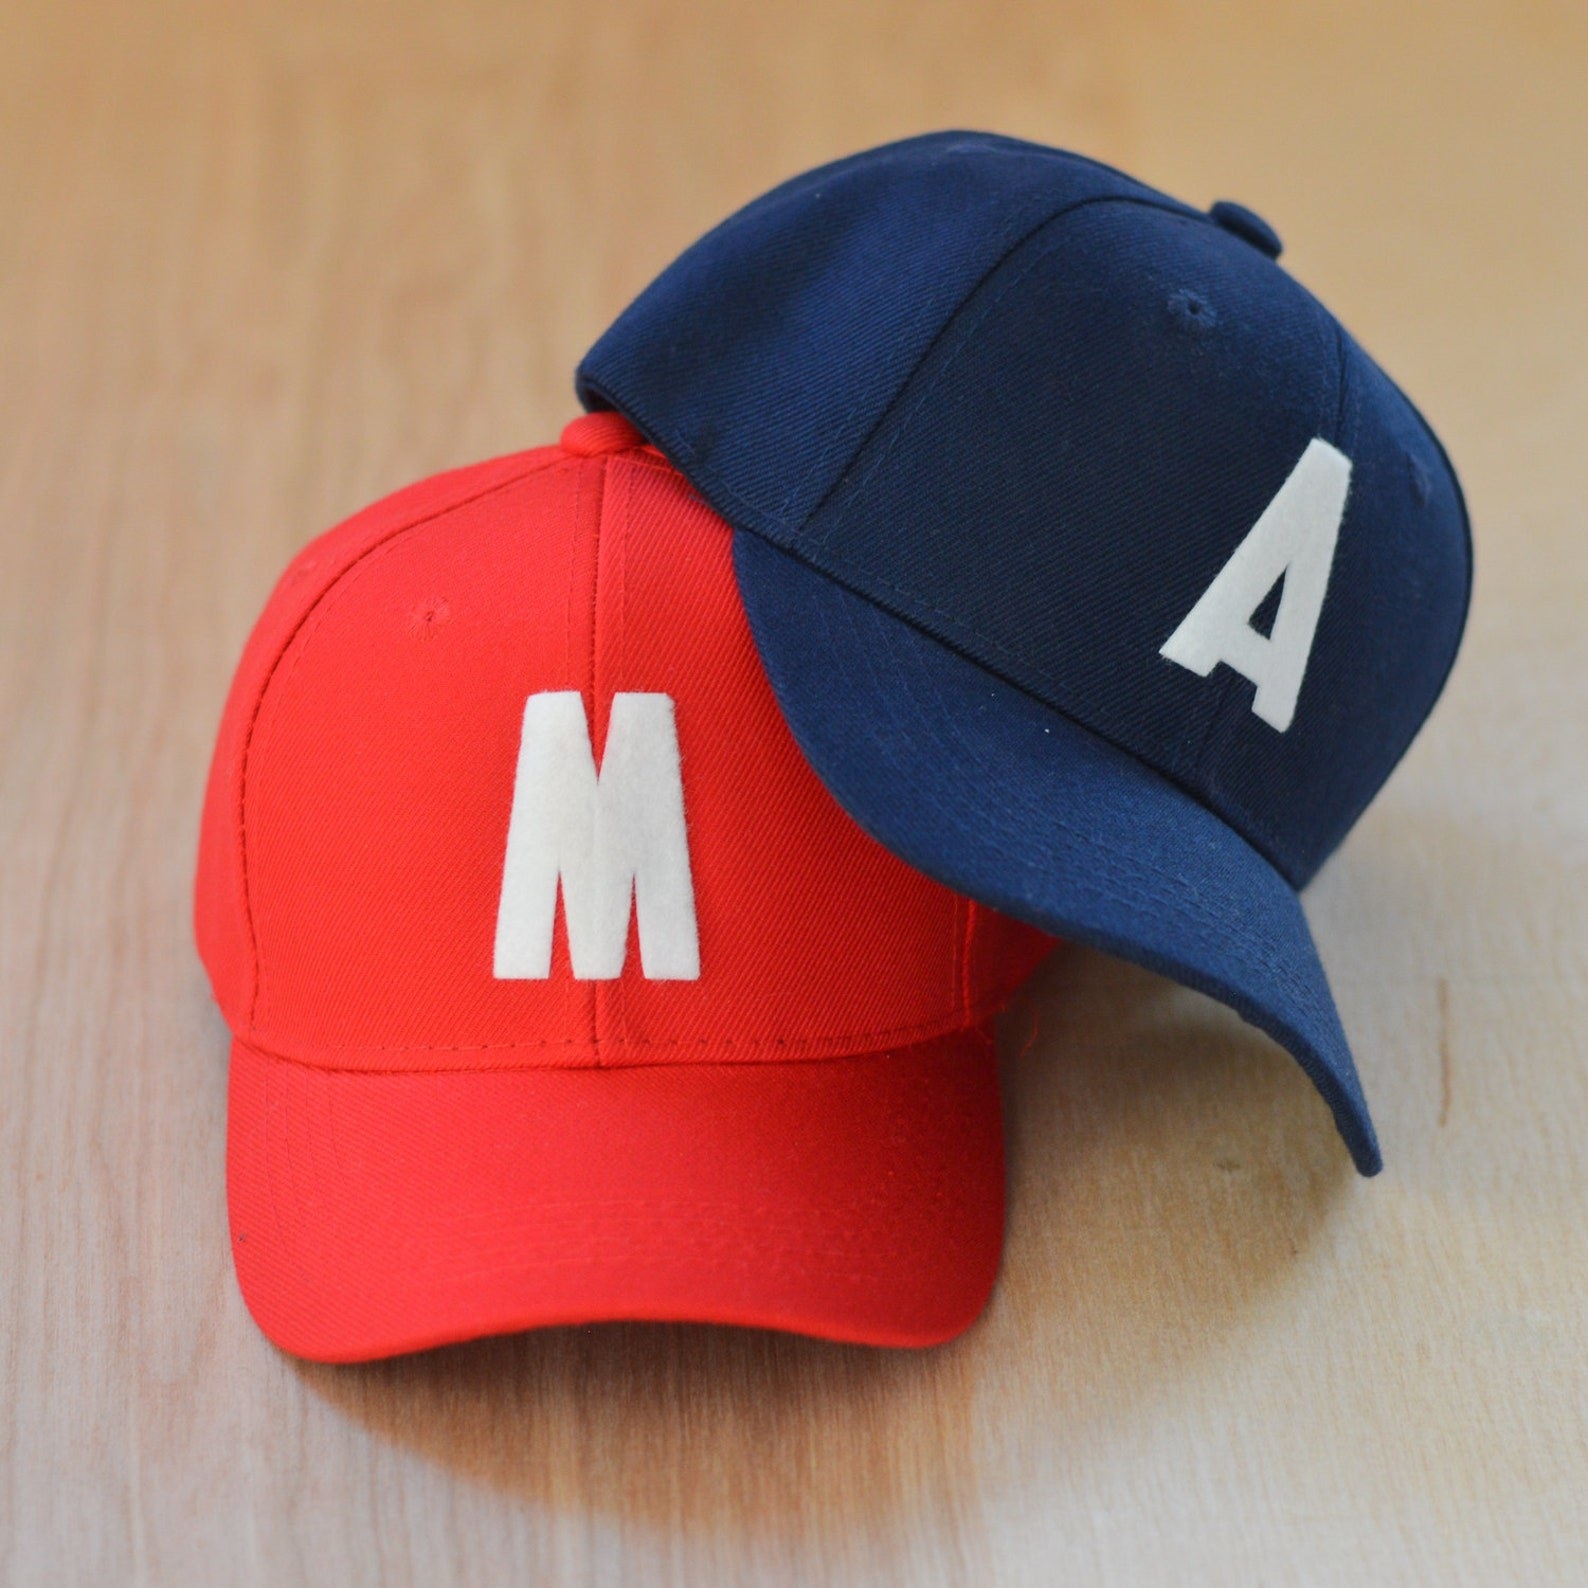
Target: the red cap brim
(856, 1199)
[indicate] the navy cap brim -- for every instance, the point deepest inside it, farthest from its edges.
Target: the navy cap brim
(979, 785)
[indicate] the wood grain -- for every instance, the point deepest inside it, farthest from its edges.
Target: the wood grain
(259, 264)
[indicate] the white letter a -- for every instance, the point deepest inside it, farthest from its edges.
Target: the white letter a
(614, 842)
(1294, 539)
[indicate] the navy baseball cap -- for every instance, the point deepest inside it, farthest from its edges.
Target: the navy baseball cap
(1097, 570)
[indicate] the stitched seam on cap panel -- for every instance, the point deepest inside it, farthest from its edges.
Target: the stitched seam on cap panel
(1342, 388)
(594, 674)
(272, 1124)
(564, 998)
(608, 1001)
(587, 997)
(854, 1046)
(306, 626)
(619, 986)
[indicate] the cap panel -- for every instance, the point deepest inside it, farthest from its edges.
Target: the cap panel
(1110, 416)
(222, 921)
(380, 779)
(761, 358)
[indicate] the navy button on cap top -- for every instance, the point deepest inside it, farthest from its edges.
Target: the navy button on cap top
(1249, 225)
(1098, 571)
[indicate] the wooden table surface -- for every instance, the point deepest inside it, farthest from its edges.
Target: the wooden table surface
(262, 263)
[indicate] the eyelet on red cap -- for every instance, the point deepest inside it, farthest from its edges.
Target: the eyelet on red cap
(592, 435)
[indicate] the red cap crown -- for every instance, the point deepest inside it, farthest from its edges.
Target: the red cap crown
(501, 787)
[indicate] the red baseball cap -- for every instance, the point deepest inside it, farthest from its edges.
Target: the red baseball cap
(560, 988)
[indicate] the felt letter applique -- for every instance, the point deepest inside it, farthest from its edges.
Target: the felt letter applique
(1293, 540)
(612, 840)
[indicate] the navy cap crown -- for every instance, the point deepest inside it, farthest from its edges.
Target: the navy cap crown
(1038, 409)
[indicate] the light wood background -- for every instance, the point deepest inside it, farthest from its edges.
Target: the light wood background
(259, 264)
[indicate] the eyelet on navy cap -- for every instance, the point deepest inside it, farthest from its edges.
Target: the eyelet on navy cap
(1249, 226)
(1191, 312)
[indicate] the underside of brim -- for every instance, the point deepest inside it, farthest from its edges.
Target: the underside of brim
(856, 1199)
(981, 786)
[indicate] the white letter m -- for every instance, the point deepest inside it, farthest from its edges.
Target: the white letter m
(611, 840)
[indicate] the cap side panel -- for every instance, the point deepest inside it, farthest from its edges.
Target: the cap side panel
(222, 925)
(380, 776)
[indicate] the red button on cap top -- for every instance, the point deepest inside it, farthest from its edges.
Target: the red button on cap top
(591, 435)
